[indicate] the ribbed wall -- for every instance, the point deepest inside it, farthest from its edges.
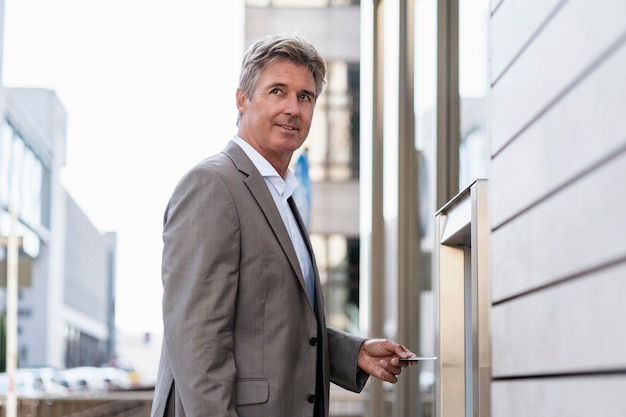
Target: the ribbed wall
(558, 206)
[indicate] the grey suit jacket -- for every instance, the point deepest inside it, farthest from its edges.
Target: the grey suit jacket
(240, 336)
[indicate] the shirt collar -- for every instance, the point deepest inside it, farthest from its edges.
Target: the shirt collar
(284, 187)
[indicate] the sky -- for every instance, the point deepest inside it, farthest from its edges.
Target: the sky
(149, 90)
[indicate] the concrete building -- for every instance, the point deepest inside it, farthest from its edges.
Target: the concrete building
(66, 304)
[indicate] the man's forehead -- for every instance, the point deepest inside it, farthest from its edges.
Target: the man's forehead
(286, 73)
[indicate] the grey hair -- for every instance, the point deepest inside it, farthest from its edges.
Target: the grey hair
(272, 48)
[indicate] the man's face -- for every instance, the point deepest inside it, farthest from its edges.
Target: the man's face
(277, 118)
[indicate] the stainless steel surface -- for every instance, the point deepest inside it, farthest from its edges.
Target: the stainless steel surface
(448, 101)
(461, 284)
(376, 401)
(408, 285)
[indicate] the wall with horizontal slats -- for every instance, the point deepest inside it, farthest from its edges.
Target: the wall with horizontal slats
(573, 397)
(558, 207)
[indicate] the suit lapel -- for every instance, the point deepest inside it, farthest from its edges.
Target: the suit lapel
(258, 188)
(305, 235)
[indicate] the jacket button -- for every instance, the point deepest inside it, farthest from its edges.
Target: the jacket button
(313, 341)
(311, 398)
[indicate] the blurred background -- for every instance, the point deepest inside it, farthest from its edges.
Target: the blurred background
(462, 161)
(107, 104)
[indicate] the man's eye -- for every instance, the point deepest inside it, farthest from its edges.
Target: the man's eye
(305, 97)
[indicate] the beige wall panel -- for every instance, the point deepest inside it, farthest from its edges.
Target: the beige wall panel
(575, 326)
(571, 397)
(578, 34)
(512, 26)
(334, 30)
(579, 228)
(335, 208)
(586, 126)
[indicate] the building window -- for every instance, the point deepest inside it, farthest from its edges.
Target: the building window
(82, 349)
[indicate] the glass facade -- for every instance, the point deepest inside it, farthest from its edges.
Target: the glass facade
(333, 144)
(338, 262)
(473, 150)
(333, 150)
(24, 188)
(430, 57)
(434, 51)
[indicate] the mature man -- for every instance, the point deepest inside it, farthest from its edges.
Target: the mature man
(243, 310)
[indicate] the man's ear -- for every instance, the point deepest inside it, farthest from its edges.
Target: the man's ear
(241, 100)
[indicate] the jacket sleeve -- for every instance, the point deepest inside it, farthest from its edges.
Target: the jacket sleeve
(200, 280)
(343, 355)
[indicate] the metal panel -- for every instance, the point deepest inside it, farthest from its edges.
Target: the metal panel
(448, 101)
(462, 296)
(567, 328)
(579, 229)
(515, 24)
(408, 297)
(376, 403)
(587, 126)
(569, 397)
(558, 59)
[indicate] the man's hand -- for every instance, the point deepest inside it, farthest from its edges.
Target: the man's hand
(381, 359)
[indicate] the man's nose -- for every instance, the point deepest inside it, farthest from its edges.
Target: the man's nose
(292, 106)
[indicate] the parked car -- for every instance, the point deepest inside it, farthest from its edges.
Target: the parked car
(50, 379)
(83, 379)
(29, 383)
(116, 379)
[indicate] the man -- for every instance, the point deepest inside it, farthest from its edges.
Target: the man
(243, 309)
